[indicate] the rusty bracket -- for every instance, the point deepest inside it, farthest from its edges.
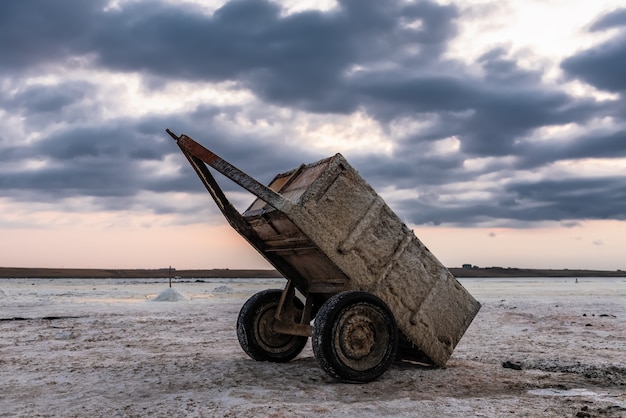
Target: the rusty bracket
(286, 314)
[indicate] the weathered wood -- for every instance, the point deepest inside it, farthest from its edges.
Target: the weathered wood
(327, 230)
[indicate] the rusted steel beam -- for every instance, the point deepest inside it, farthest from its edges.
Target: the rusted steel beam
(233, 173)
(232, 215)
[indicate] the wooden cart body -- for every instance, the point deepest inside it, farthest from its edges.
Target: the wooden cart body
(326, 230)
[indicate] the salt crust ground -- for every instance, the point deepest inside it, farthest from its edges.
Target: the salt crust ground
(104, 348)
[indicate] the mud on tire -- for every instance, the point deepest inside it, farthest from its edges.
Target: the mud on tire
(355, 337)
(255, 329)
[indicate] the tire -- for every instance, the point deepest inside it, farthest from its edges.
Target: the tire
(255, 329)
(355, 337)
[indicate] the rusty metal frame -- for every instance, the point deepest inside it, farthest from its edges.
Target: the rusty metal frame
(286, 310)
(199, 156)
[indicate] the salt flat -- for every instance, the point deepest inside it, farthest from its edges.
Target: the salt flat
(102, 347)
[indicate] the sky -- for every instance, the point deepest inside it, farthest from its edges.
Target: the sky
(496, 129)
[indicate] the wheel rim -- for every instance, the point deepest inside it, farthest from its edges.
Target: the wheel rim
(361, 337)
(269, 340)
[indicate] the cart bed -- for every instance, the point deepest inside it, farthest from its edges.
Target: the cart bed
(340, 235)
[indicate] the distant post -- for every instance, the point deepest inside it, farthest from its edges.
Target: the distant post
(170, 276)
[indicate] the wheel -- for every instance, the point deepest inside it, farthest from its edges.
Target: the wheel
(255, 329)
(355, 337)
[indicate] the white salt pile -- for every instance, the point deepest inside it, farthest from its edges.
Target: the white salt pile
(170, 295)
(222, 289)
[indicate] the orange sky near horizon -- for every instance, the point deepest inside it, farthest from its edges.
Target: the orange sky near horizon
(595, 245)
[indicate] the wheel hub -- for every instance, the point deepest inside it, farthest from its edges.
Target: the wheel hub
(357, 338)
(361, 337)
(265, 331)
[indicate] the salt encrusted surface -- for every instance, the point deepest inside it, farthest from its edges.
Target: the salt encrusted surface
(101, 348)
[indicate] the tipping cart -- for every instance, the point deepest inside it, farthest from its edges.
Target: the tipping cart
(371, 289)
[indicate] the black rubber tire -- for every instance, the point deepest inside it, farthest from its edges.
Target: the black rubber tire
(355, 337)
(255, 334)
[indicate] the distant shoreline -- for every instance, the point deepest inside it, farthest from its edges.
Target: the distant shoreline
(56, 273)
(71, 273)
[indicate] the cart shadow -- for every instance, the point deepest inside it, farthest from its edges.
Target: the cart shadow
(304, 369)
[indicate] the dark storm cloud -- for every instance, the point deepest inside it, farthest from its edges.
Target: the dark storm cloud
(563, 199)
(504, 71)
(33, 32)
(527, 202)
(488, 120)
(300, 59)
(614, 19)
(603, 66)
(119, 160)
(95, 161)
(46, 99)
(386, 59)
(606, 145)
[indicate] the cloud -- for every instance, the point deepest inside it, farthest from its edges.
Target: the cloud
(603, 66)
(571, 224)
(298, 60)
(614, 19)
(36, 32)
(37, 99)
(592, 144)
(463, 137)
(567, 199)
